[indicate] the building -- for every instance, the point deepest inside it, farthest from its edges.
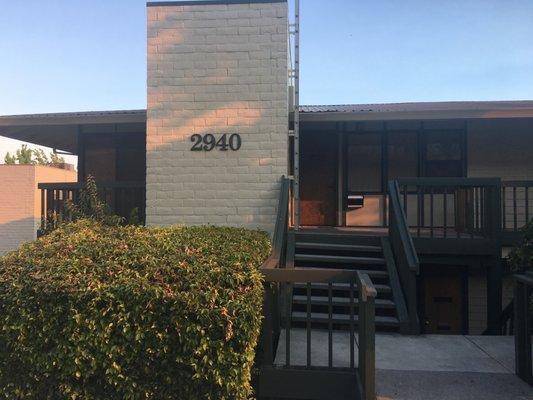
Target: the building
(20, 200)
(214, 142)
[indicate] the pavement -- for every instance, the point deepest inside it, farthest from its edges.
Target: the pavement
(425, 367)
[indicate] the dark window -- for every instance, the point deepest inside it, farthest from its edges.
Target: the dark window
(364, 162)
(402, 155)
(444, 154)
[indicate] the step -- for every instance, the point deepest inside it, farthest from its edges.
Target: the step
(337, 238)
(338, 247)
(339, 301)
(298, 316)
(339, 259)
(340, 286)
(372, 273)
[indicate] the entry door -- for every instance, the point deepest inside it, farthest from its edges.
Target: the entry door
(318, 178)
(443, 302)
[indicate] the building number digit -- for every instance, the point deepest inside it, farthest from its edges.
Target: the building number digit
(208, 142)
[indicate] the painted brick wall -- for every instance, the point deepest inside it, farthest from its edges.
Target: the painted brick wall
(216, 69)
(21, 204)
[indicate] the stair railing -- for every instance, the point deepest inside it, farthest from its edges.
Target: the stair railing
(294, 381)
(405, 254)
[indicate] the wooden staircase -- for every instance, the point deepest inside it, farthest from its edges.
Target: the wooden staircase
(371, 254)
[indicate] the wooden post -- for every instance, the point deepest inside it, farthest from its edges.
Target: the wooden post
(494, 296)
(267, 331)
(523, 328)
(367, 336)
(81, 155)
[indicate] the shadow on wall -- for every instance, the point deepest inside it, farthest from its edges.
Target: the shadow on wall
(199, 88)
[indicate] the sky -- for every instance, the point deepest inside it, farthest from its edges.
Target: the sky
(72, 55)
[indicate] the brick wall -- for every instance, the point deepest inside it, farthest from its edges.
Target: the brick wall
(216, 68)
(20, 205)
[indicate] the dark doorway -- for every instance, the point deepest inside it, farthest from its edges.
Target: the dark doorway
(318, 178)
(443, 298)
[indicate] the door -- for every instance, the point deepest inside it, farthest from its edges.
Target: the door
(364, 178)
(443, 305)
(318, 178)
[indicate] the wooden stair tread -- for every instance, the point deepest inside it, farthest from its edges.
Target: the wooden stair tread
(299, 316)
(336, 301)
(339, 259)
(338, 247)
(340, 286)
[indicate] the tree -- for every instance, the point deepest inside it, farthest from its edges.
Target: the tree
(9, 159)
(91, 206)
(25, 155)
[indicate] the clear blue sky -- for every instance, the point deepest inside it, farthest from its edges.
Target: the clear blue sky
(67, 55)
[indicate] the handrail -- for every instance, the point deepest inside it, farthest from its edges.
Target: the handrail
(281, 226)
(449, 181)
(404, 253)
(359, 282)
(517, 183)
(397, 214)
(279, 237)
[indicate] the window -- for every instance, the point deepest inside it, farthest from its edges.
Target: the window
(364, 163)
(402, 155)
(444, 154)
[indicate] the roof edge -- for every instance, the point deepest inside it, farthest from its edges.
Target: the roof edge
(208, 2)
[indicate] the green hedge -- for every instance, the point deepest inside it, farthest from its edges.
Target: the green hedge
(100, 312)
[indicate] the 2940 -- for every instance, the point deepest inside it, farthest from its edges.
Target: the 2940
(209, 142)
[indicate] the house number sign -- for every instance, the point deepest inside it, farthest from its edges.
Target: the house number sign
(209, 142)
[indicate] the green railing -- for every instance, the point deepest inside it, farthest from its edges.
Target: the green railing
(460, 208)
(405, 256)
(523, 325)
(280, 375)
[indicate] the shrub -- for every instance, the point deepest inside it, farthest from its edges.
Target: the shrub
(100, 312)
(521, 257)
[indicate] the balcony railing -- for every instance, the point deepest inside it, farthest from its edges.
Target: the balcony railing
(462, 208)
(126, 199)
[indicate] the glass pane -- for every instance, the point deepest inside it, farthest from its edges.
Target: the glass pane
(444, 154)
(402, 154)
(364, 162)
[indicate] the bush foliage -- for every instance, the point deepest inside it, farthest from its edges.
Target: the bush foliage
(521, 257)
(100, 312)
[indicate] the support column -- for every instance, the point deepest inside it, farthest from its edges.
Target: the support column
(494, 295)
(340, 174)
(81, 155)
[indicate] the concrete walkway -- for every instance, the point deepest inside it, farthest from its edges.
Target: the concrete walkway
(426, 367)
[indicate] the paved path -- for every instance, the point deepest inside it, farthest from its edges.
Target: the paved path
(426, 367)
